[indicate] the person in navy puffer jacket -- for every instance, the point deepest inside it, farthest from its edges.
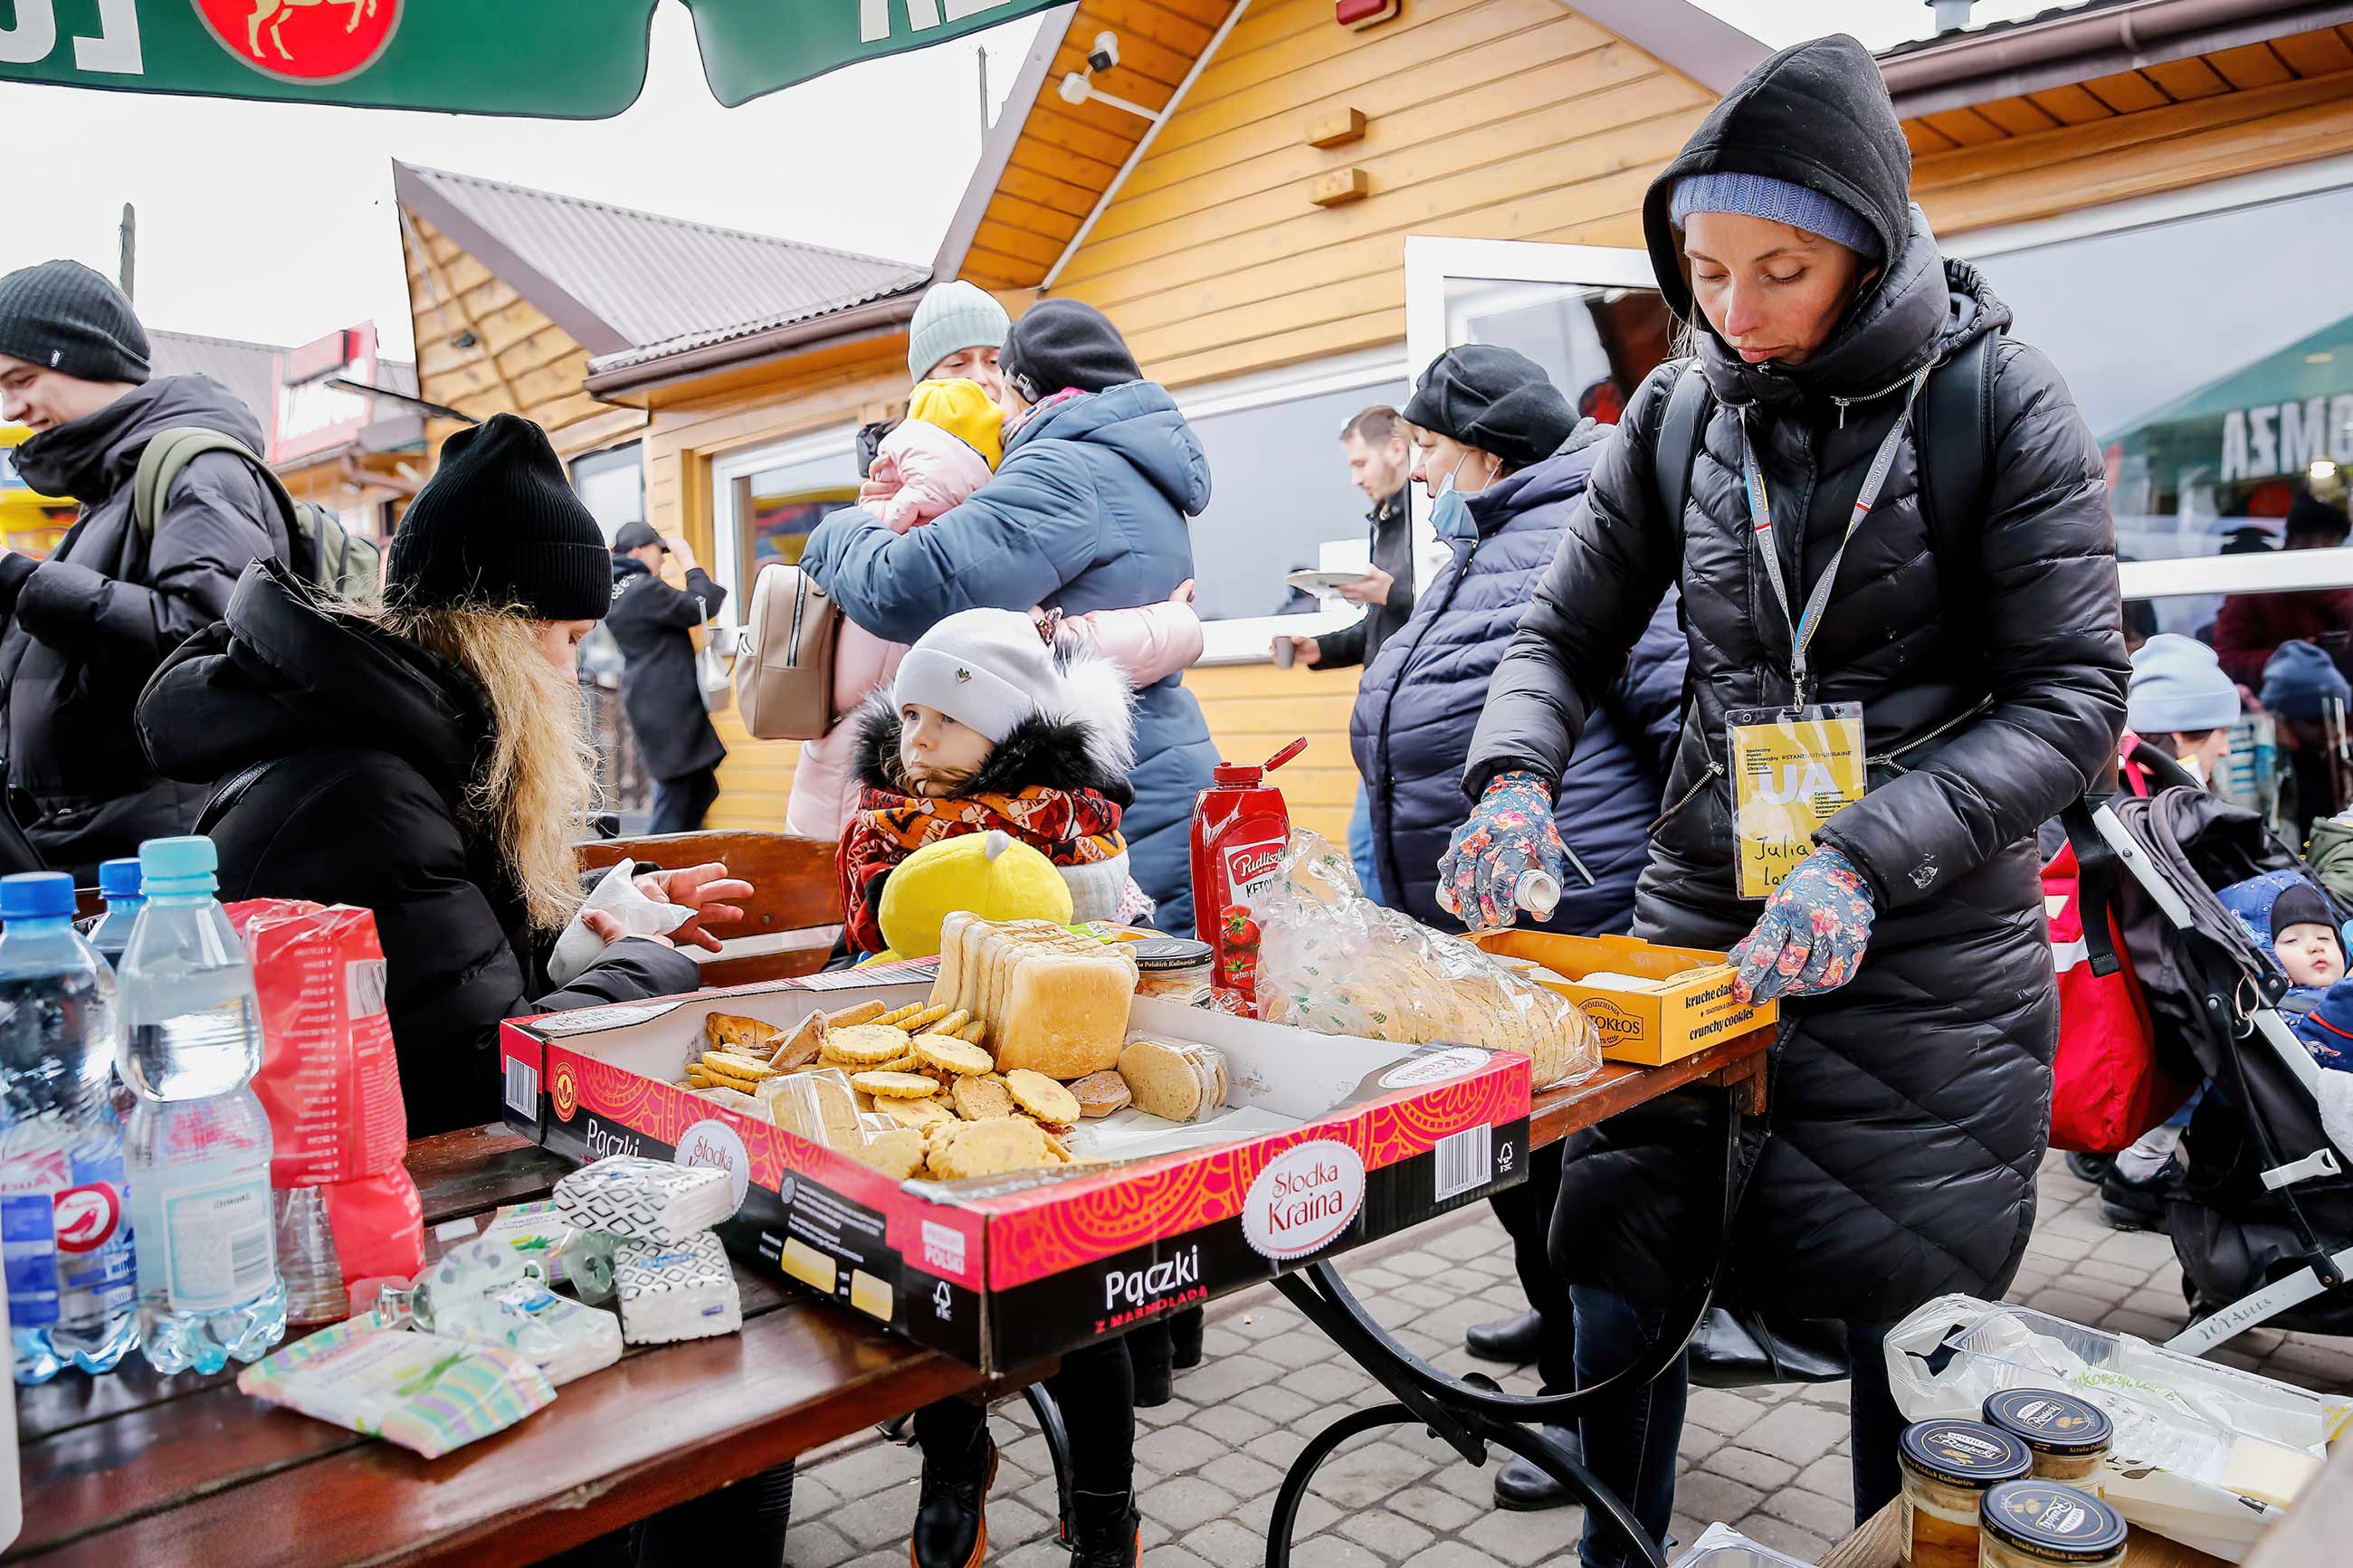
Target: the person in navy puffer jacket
(1507, 458)
(1087, 512)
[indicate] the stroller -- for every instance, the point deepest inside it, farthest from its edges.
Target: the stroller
(2264, 1229)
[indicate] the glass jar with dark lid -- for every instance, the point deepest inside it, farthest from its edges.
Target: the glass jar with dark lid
(1949, 1466)
(2069, 1437)
(2049, 1524)
(1173, 967)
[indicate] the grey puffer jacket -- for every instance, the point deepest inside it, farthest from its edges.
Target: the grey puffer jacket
(86, 628)
(1909, 1110)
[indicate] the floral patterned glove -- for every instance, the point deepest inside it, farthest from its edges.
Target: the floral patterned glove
(1811, 938)
(1511, 833)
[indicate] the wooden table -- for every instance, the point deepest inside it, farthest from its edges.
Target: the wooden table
(1875, 1546)
(133, 1468)
(1469, 1414)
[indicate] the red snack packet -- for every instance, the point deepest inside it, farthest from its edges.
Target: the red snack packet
(378, 1224)
(329, 1080)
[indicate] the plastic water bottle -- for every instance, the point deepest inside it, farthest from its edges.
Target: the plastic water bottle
(119, 885)
(198, 1149)
(65, 1224)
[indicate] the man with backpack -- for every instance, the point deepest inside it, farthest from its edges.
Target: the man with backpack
(652, 621)
(81, 631)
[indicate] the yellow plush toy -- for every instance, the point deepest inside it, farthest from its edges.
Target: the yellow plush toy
(994, 875)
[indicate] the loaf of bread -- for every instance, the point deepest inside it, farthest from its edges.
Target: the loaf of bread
(1053, 1001)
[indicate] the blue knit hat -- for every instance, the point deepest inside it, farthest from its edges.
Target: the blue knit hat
(2300, 678)
(1760, 195)
(2178, 685)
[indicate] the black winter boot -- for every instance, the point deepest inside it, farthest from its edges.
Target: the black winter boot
(951, 1526)
(1185, 1332)
(1105, 1530)
(1151, 1351)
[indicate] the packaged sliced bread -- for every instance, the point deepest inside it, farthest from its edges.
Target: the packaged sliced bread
(1065, 1014)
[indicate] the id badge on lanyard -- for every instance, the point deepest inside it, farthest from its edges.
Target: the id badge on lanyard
(1793, 767)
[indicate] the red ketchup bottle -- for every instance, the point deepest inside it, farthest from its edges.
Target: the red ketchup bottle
(1240, 828)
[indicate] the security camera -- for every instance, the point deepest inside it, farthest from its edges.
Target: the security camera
(1075, 88)
(1105, 54)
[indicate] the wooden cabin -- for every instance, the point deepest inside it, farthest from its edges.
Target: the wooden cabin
(1238, 193)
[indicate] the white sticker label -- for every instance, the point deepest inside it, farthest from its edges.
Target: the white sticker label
(364, 987)
(719, 1146)
(217, 1238)
(1304, 1199)
(1463, 1161)
(1458, 1061)
(523, 1086)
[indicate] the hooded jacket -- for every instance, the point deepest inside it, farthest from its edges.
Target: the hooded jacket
(1057, 783)
(1086, 512)
(375, 743)
(86, 628)
(1419, 704)
(652, 623)
(1909, 1110)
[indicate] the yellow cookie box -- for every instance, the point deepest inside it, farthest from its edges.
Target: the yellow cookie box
(1676, 1018)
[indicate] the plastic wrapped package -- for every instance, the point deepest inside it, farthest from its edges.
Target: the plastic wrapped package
(820, 1106)
(1721, 1546)
(2183, 1427)
(425, 1392)
(1335, 962)
(485, 1292)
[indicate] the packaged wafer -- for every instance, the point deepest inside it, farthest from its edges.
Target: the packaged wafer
(644, 1200)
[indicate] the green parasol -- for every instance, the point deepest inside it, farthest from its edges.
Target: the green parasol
(578, 59)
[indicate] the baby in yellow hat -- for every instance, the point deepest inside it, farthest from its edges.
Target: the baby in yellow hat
(946, 448)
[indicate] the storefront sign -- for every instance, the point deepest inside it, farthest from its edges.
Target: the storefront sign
(310, 413)
(2286, 438)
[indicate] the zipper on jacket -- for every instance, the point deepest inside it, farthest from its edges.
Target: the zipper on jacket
(1714, 772)
(1845, 403)
(1887, 759)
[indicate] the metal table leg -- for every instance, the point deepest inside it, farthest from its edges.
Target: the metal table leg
(1469, 1414)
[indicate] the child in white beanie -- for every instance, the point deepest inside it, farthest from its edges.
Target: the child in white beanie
(991, 726)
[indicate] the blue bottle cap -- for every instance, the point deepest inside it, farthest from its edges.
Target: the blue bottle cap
(186, 861)
(119, 878)
(36, 895)
(2053, 1521)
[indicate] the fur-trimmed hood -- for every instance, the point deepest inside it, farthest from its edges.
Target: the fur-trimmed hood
(1086, 740)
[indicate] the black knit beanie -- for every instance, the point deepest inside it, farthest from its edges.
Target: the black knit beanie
(62, 316)
(1059, 343)
(1495, 399)
(498, 524)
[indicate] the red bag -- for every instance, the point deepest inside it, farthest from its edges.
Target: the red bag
(2106, 1087)
(329, 1080)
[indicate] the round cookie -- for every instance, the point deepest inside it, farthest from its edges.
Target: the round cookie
(885, 1086)
(866, 1044)
(1040, 1096)
(919, 1113)
(992, 1148)
(947, 1052)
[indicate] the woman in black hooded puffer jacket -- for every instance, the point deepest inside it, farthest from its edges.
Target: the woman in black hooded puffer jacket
(1910, 1091)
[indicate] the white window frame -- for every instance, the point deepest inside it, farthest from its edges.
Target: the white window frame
(726, 537)
(2194, 576)
(1249, 639)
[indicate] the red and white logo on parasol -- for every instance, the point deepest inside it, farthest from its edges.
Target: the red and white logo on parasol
(303, 40)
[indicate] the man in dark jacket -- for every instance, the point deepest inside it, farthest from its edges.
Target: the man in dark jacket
(1380, 459)
(1911, 1089)
(84, 628)
(653, 623)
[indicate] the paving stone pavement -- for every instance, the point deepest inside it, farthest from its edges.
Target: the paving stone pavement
(1771, 1461)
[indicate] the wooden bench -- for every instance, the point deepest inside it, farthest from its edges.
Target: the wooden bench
(790, 919)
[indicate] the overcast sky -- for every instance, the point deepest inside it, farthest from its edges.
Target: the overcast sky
(281, 229)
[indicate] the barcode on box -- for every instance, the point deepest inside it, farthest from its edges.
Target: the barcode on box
(1465, 1161)
(523, 1086)
(250, 1266)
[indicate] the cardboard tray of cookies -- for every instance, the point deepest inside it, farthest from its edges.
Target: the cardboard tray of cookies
(1002, 1216)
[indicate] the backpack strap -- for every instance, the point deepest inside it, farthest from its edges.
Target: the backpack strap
(231, 790)
(1952, 428)
(2097, 870)
(170, 451)
(1678, 445)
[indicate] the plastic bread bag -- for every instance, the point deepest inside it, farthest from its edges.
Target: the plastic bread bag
(1333, 961)
(2183, 1425)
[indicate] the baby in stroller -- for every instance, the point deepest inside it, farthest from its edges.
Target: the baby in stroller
(2285, 912)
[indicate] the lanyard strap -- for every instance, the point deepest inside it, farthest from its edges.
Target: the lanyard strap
(1760, 512)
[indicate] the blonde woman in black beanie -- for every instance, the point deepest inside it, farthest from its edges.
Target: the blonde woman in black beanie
(425, 758)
